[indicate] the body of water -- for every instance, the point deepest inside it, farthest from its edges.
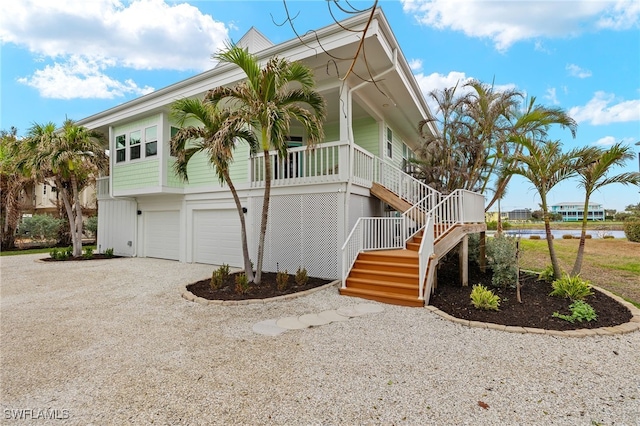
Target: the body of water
(558, 233)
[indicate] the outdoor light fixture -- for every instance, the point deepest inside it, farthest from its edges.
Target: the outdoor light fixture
(244, 210)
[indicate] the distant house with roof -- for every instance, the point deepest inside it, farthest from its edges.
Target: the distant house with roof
(519, 214)
(574, 211)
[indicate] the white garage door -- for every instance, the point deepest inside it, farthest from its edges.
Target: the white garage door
(162, 234)
(216, 236)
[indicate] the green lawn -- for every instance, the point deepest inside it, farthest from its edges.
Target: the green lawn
(613, 264)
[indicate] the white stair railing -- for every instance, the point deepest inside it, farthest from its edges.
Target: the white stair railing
(371, 233)
(403, 185)
(424, 254)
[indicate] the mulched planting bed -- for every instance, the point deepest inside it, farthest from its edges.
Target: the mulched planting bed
(96, 256)
(267, 289)
(536, 309)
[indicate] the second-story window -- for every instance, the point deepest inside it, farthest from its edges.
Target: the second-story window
(121, 148)
(134, 145)
(150, 141)
(389, 143)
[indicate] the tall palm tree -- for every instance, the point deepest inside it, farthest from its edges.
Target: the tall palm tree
(216, 135)
(270, 97)
(544, 165)
(593, 175)
(72, 157)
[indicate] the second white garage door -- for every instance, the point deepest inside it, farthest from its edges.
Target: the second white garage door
(216, 237)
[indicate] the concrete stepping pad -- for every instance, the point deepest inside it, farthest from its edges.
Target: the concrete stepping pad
(268, 328)
(333, 316)
(349, 311)
(313, 320)
(369, 308)
(291, 323)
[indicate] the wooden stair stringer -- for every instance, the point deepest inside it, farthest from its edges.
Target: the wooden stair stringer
(389, 197)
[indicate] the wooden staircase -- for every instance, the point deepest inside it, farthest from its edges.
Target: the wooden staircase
(388, 276)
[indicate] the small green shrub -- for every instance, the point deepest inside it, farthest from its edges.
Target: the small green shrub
(567, 237)
(580, 311)
(631, 228)
(242, 283)
(219, 276)
(282, 280)
(91, 226)
(68, 252)
(534, 237)
(574, 288)
(109, 252)
(587, 237)
(501, 254)
(41, 227)
(301, 277)
(54, 253)
(608, 237)
(483, 298)
(216, 280)
(474, 247)
(88, 253)
(546, 274)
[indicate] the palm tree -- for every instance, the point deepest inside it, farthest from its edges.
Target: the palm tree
(72, 157)
(544, 165)
(268, 100)
(479, 130)
(216, 135)
(592, 176)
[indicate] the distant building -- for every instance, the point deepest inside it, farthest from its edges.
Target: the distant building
(519, 214)
(493, 216)
(574, 211)
(42, 198)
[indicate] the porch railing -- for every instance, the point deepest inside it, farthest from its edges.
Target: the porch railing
(327, 162)
(403, 185)
(102, 187)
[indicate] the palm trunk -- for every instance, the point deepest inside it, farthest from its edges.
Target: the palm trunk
(583, 237)
(68, 209)
(245, 247)
(77, 228)
(265, 214)
(552, 252)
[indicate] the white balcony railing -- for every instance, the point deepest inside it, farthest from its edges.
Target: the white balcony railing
(327, 162)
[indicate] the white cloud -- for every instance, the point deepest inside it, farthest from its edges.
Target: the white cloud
(576, 71)
(551, 96)
(437, 81)
(507, 22)
(143, 34)
(605, 141)
(88, 40)
(81, 78)
(415, 64)
(600, 110)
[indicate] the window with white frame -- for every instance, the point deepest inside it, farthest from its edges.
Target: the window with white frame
(121, 148)
(134, 145)
(150, 141)
(389, 141)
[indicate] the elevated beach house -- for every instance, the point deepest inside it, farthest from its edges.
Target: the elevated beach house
(342, 209)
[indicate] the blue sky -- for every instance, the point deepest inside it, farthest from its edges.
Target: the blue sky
(74, 58)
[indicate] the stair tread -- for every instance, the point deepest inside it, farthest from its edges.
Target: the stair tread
(411, 300)
(390, 274)
(373, 282)
(383, 263)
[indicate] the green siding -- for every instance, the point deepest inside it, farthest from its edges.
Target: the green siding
(396, 150)
(173, 181)
(365, 134)
(138, 124)
(238, 170)
(139, 174)
(332, 132)
(200, 171)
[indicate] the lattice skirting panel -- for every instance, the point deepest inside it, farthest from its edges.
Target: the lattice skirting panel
(302, 231)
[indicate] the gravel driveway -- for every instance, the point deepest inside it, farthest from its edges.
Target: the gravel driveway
(113, 342)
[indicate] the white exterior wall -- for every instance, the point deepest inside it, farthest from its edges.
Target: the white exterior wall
(117, 221)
